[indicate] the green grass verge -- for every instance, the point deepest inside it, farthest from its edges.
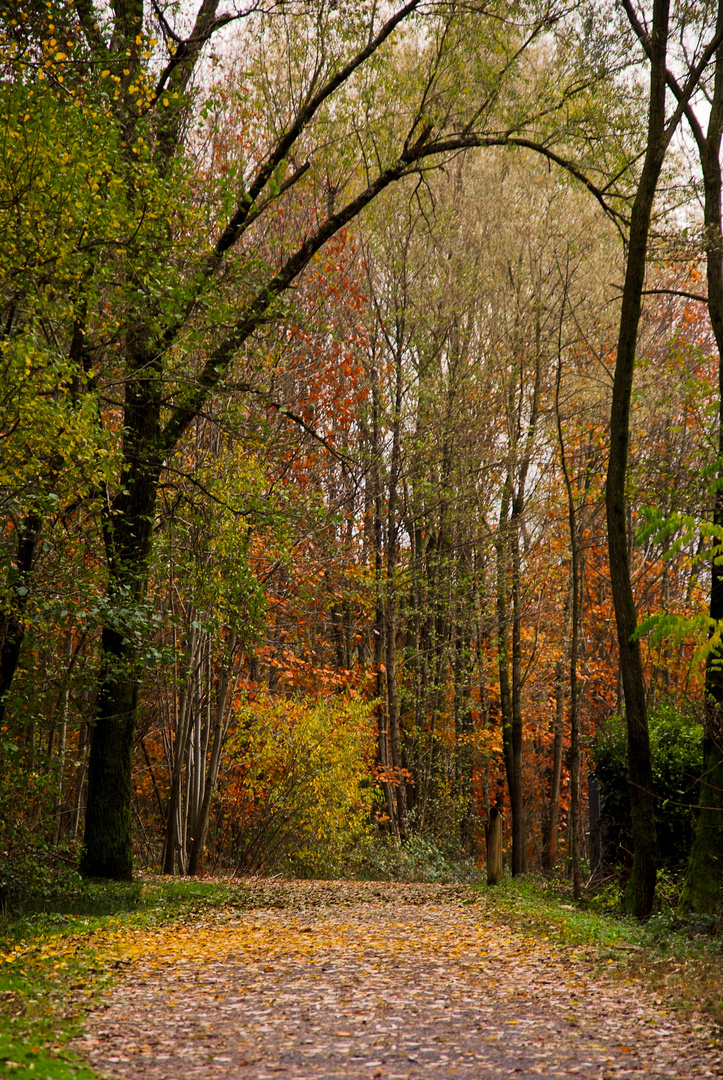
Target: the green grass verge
(51, 973)
(544, 909)
(680, 963)
(38, 1015)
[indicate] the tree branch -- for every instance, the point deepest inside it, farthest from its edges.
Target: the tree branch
(236, 224)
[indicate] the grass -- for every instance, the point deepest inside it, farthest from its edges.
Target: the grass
(679, 962)
(544, 908)
(38, 1017)
(55, 962)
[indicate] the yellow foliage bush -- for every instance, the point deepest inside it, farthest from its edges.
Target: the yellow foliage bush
(297, 790)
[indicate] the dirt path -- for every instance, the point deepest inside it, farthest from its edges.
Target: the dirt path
(382, 981)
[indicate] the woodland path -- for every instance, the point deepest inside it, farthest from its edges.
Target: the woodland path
(398, 982)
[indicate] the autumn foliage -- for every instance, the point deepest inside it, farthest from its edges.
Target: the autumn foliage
(351, 620)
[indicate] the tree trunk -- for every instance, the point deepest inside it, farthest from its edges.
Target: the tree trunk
(219, 734)
(519, 839)
(60, 777)
(383, 741)
(503, 653)
(391, 605)
(593, 802)
(180, 750)
(550, 851)
(127, 531)
(641, 887)
(576, 531)
(12, 626)
(509, 580)
(463, 731)
(701, 887)
(108, 850)
(83, 739)
(494, 846)
(509, 672)
(575, 811)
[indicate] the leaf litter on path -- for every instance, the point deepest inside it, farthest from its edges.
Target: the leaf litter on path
(399, 982)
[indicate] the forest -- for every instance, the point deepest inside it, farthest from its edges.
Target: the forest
(360, 442)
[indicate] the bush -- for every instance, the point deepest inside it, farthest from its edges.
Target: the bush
(418, 858)
(297, 791)
(676, 747)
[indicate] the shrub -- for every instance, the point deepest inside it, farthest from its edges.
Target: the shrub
(676, 747)
(418, 858)
(297, 792)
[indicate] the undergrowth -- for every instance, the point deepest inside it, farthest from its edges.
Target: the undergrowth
(418, 858)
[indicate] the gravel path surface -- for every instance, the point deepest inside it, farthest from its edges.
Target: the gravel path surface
(345, 980)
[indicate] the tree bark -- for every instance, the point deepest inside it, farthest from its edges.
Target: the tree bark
(509, 577)
(220, 730)
(383, 735)
(513, 764)
(641, 887)
(550, 851)
(391, 601)
(127, 533)
(464, 726)
(108, 851)
(575, 529)
(639, 895)
(12, 625)
(704, 874)
(494, 846)
(60, 776)
(179, 752)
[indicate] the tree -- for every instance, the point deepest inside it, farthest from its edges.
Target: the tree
(54, 453)
(477, 296)
(641, 886)
(576, 536)
(701, 887)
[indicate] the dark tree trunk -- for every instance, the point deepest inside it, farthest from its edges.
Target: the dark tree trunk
(127, 528)
(494, 845)
(593, 803)
(553, 821)
(576, 534)
(575, 813)
(108, 850)
(510, 670)
(512, 769)
(701, 887)
(12, 623)
(384, 748)
(463, 731)
(519, 840)
(390, 590)
(641, 887)
(509, 574)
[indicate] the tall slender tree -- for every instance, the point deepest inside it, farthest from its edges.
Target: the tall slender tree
(641, 886)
